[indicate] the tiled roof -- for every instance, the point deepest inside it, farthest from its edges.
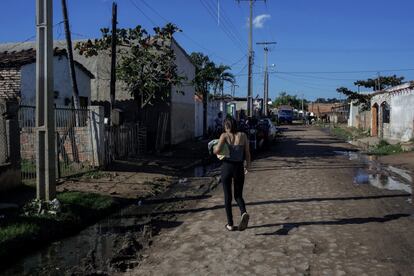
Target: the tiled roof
(19, 58)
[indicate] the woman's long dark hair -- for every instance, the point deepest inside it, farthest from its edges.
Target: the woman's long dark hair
(230, 123)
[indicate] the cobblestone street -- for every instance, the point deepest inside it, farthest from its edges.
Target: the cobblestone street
(308, 217)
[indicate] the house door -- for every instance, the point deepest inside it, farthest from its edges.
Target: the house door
(374, 125)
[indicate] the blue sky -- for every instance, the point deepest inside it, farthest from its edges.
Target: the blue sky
(322, 44)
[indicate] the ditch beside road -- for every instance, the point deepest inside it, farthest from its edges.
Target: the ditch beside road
(127, 183)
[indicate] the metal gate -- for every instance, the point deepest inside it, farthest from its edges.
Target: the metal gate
(74, 151)
(123, 142)
(4, 145)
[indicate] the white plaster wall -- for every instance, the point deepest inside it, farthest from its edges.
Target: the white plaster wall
(182, 105)
(62, 82)
(353, 112)
(213, 108)
(198, 117)
(402, 116)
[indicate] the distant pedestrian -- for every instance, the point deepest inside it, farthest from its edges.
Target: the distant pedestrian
(233, 170)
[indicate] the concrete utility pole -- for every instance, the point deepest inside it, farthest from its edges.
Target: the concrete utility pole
(379, 81)
(303, 111)
(45, 117)
(113, 58)
(266, 76)
(250, 61)
(72, 72)
(233, 89)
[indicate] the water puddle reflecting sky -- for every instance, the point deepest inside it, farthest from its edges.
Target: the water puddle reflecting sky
(383, 177)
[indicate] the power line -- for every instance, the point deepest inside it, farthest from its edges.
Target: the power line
(337, 72)
(316, 77)
(227, 24)
(238, 61)
(183, 33)
(142, 12)
(311, 86)
(28, 39)
(223, 27)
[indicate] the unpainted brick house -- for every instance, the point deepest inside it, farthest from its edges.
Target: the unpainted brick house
(18, 77)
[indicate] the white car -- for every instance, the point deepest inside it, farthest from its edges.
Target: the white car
(272, 128)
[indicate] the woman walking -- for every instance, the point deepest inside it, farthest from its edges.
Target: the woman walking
(233, 170)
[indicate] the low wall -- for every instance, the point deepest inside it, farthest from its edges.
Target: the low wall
(76, 144)
(9, 177)
(10, 163)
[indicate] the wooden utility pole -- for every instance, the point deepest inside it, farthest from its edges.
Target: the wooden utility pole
(250, 61)
(72, 72)
(266, 76)
(113, 58)
(45, 116)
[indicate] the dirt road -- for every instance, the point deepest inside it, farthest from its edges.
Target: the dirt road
(316, 209)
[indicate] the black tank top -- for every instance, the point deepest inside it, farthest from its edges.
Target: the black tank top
(236, 153)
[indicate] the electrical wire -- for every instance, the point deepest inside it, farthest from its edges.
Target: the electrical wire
(227, 24)
(223, 27)
(14, 46)
(209, 51)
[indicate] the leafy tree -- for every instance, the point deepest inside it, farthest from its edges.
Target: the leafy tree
(204, 80)
(146, 63)
(328, 100)
(285, 99)
(361, 99)
(209, 78)
(384, 82)
(221, 76)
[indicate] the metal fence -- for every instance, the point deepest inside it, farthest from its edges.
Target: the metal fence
(123, 142)
(75, 150)
(73, 143)
(27, 116)
(4, 146)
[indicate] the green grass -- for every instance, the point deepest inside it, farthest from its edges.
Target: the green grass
(24, 232)
(21, 230)
(341, 133)
(28, 166)
(348, 133)
(93, 202)
(384, 148)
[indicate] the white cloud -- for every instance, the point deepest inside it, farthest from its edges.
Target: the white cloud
(258, 21)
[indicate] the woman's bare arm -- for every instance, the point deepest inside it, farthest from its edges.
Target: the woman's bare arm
(247, 151)
(217, 149)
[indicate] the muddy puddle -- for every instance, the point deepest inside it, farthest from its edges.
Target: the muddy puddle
(114, 244)
(380, 176)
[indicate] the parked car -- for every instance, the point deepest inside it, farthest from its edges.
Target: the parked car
(285, 116)
(272, 130)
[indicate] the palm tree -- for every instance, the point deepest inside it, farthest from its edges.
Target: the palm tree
(222, 76)
(204, 79)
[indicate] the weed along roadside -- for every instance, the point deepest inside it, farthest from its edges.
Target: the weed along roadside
(37, 224)
(362, 140)
(116, 242)
(90, 208)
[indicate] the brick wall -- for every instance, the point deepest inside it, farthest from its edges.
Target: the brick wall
(77, 143)
(10, 82)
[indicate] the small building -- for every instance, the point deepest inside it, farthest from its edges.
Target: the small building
(358, 116)
(241, 106)
(339, 114)
(323, 110)
(18, 77)
(171, 121)
(392, 113)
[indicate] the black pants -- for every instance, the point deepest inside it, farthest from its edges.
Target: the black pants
(233, 171)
